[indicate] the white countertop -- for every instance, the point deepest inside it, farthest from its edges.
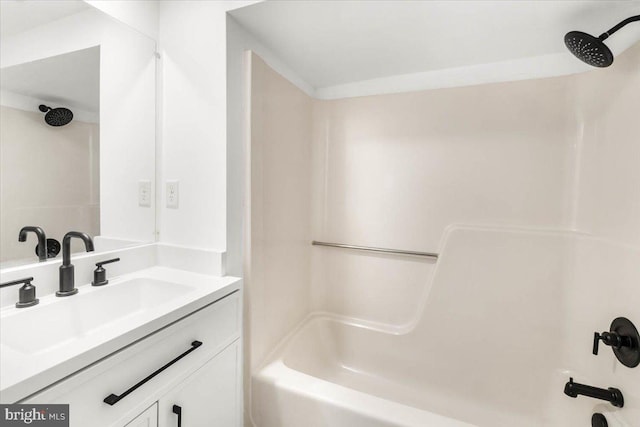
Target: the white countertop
(24, 372)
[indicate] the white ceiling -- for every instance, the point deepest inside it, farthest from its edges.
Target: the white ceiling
(71, 80)
(17, 16)
(332, 43)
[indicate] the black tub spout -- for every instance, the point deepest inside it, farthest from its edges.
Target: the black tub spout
(611, 395)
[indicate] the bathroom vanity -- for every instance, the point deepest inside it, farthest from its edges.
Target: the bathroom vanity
(156, 347)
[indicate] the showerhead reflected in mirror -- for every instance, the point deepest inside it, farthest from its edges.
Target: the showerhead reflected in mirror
(56, 116)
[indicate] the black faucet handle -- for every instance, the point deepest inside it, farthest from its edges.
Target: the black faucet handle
(26, 281)
(26, 294)
(109, 261)
(100, 274)
(612, 339)
(597, 337)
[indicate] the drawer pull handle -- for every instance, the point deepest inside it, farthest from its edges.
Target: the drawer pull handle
(112, 399)
(178, 411)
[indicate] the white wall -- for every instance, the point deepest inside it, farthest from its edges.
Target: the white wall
(280, 208)
(239, 41)
(202, 125)
(201, 133)
(395, 171)
(193, 145)
(192, 40)
(608, 106)
(127, 106)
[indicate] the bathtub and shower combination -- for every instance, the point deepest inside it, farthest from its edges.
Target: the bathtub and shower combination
(490, 347)
(502, 331)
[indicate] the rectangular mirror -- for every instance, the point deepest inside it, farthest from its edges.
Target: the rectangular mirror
(77, 128)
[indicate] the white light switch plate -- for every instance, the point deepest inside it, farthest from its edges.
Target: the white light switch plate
(144, 193)
(172, 194)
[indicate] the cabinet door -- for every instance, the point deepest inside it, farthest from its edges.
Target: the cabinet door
(149, 418)
(207, 398)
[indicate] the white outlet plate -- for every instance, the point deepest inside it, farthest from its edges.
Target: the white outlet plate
(144, 193)
(172, 194)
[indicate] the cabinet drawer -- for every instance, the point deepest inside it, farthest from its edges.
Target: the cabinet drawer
(215, 326)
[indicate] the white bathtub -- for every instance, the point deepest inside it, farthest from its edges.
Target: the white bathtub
(325, 377)
(490, 348)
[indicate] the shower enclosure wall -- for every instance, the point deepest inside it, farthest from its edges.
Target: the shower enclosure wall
(530, 193)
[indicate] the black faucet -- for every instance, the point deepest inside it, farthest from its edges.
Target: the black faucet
(42, 240)
(67, 286)
(611, 395)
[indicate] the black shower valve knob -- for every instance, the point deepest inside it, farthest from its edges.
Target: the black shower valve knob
(624, 340)
(612, 339)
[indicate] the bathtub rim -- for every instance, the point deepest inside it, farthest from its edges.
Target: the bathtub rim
(277, 374)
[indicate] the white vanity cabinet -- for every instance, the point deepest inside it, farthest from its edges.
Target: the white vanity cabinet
(193, 363)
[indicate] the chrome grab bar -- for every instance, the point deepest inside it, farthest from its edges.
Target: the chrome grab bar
(371, 249)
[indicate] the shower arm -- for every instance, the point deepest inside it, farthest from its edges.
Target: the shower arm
(615, 28)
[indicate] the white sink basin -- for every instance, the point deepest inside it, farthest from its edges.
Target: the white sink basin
(42, 344)
(40, 329)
